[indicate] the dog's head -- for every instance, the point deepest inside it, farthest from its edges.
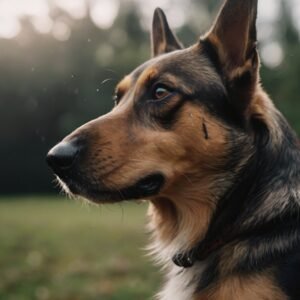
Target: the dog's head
(182, 117)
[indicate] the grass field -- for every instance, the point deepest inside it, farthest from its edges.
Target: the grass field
(53, 248)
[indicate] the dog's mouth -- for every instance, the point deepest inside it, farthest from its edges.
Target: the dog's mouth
(145, 187)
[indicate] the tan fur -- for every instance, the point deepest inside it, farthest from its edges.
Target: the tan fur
(255, 287)
(124, 85)
(231, 255)
(263, 108)
(162, 47)
(239, 71)
(146, 76)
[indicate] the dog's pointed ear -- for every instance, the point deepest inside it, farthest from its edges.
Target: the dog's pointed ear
(163, 39)
(234, 32)
(233, 41)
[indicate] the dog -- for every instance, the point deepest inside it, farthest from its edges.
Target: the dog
(193, 132)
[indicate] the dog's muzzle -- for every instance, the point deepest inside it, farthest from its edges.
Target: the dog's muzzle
(66, 160)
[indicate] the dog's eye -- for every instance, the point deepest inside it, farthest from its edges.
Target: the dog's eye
(160, 92)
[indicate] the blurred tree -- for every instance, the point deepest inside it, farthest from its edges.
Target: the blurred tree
(283, 82)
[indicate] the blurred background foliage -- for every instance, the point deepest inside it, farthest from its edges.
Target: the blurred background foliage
(60, 61)
(55, 249)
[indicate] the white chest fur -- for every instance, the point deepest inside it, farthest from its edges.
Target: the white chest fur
(181, 283)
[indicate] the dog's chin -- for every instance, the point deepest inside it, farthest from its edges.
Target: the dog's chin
(144, 188)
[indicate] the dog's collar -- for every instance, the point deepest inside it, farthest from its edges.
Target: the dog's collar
(198, 253)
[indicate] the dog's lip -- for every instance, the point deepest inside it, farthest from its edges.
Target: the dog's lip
(145, 187)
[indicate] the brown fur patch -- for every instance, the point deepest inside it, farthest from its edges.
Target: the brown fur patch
(262, 108)
(146, 76)
(231, 256)
(124, 85)
(255, 287)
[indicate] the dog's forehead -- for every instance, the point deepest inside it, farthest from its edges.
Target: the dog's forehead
(190, 64)
(161, 63)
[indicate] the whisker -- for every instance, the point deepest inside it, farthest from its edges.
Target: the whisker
(107, 80)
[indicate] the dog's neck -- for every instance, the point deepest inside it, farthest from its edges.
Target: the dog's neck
(260, 208)
(180, 220)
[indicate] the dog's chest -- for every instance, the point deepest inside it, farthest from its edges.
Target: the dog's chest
(181, 283)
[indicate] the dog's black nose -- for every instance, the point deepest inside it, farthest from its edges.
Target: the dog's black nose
(63, 155)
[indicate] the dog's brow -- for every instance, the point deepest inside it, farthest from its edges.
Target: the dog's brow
(147, 75)
(124, 85)
(177, 81)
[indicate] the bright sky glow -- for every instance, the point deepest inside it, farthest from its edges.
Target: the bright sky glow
(42, 25)
(175, 9)
(77, 9)
(296, 12)
(20, 8)
(268, 10)
(9, 27)
(104, 12)
(61, 31)
(272, 54)
(268, 13)
(12, 10)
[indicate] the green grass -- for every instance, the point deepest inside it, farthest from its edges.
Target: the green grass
(53, 248)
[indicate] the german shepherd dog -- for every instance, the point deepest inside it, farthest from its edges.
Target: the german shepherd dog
(193, 132)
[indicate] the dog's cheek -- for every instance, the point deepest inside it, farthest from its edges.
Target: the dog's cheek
(205, 138)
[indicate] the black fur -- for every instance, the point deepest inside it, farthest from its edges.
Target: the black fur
(288, 275)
